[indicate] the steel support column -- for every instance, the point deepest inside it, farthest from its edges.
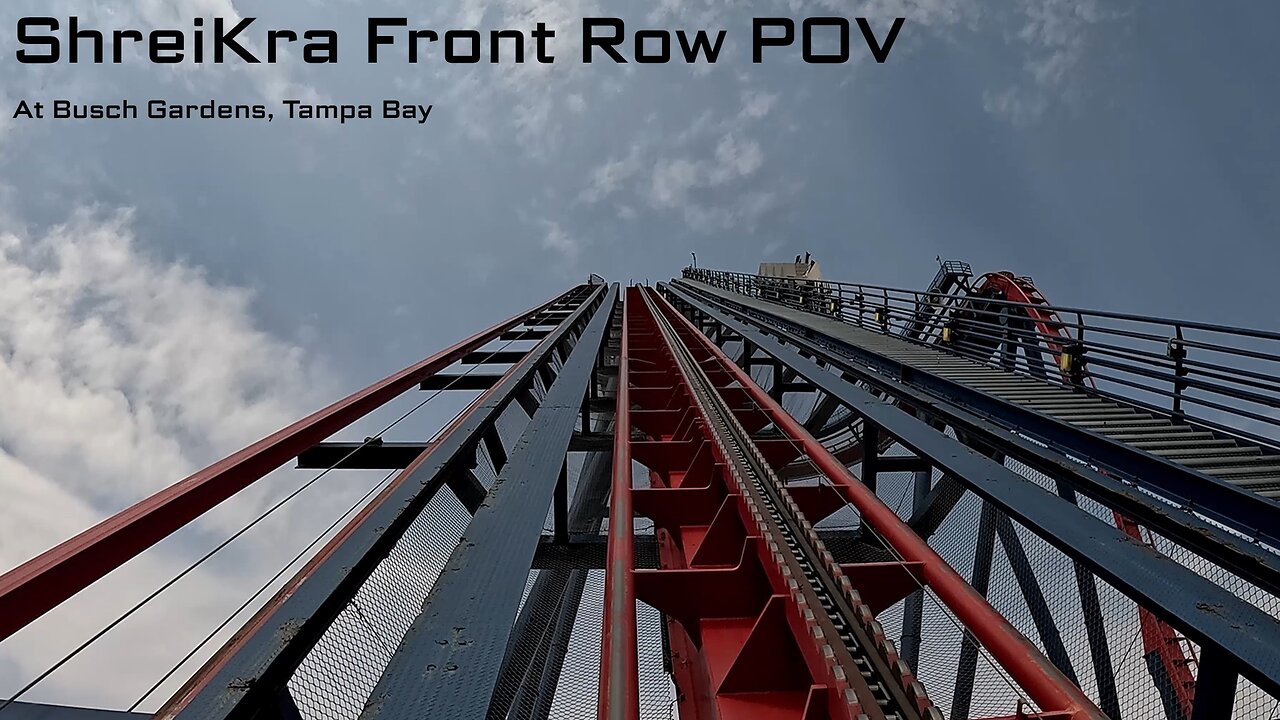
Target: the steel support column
(1215, 687)
(913, 607)
(967, 667)
(1094, 627)
(448, 661)
(536, 641)
(1041, 615)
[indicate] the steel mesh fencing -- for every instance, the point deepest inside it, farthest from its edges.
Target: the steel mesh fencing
(559, 630)
(575, 692)
(337, 676)
(1252, 703)
(1088, 628)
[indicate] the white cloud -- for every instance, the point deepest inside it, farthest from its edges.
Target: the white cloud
(121, 374)
(1055, 35)
(716, 190)
(708, 174)
(1015, 104)
(144, 367)
(756, 104)
(675, 180)
(558, 240)
(738, 157)
(672, 181)
(528, 96)
(608, 178)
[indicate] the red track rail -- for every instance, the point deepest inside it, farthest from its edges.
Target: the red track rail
(619, 679)
(732, 628)
(42, 583)
(739, 646)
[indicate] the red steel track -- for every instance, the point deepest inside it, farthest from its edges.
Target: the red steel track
(752, 633)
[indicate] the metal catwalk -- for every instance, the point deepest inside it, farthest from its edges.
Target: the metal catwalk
(737, 496)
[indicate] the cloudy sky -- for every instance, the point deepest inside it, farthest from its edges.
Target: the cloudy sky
(172, 290)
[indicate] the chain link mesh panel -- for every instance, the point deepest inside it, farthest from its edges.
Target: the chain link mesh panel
(1091, 630)
(339, 673)
(337, 676)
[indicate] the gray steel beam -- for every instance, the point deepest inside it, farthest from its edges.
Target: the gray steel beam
(822, 412)
(929, 515)
(448, 662)
(1244, 633)
(967, 665)
(245, 675)
(1095, 629)
(497, 451)
(467, 488)
(560, 505)
(523, 335)
(537, 689)
(534, 639)
(913, 607)
(400, 455)
(472, 381)
(361, 455)
(493, 357)
(902, 463)
(1215, 688)
(1041, 615)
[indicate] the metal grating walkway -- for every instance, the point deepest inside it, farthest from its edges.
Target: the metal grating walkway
(1213, 454)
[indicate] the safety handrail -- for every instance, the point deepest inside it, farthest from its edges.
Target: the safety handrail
(1228, 373)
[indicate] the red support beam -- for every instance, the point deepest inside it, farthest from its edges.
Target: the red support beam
(42, 583)
(742, 645)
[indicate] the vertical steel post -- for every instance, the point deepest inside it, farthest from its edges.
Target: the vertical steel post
(913, 607)
(540, 637)
(1215, 687)
(1094, 627)
(870, 441)
(967, 667)
(560, 513)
